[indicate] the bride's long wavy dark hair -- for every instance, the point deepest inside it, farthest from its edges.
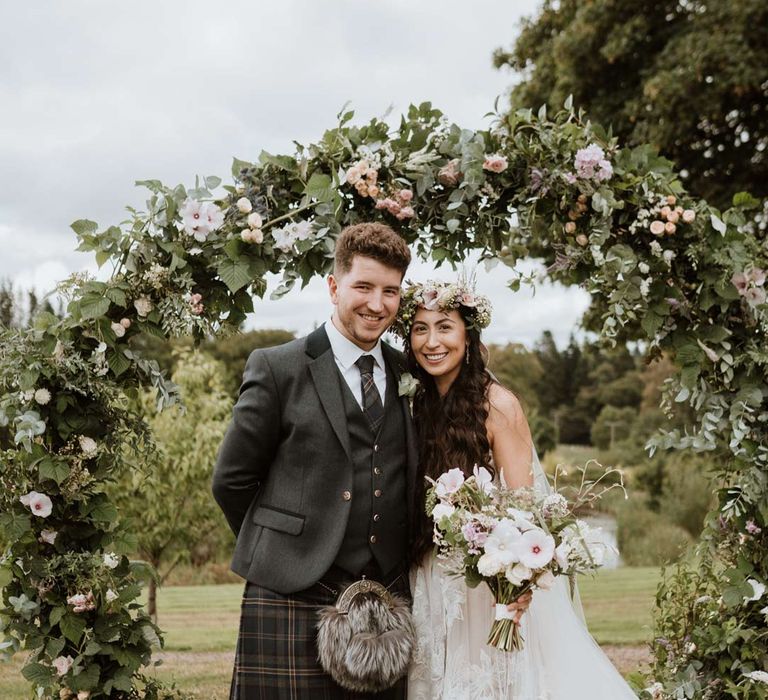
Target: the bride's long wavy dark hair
(451, 429)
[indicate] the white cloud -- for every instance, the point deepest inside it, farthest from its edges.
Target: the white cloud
(102, 94)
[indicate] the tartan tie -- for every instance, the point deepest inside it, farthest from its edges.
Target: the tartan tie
(372, 406)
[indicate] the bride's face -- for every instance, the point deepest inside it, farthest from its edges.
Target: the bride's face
(439, 343)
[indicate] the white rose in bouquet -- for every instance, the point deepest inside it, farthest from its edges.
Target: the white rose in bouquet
(518, 574)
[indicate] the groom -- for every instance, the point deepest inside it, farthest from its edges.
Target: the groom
(316, 474)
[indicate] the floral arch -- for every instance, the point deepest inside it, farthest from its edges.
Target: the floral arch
(661, 267)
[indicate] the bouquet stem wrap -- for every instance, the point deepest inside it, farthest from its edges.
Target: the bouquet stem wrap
(505, 633)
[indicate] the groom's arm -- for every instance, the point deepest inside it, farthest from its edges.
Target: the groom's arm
(250, 443)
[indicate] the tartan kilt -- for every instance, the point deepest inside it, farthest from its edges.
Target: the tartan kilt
(276, 656)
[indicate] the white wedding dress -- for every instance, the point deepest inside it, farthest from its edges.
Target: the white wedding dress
(559, 660)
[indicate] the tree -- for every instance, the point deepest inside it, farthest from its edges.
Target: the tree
(654, 72)
(519, 370)
(232, 351)
(612, 424)
(168, 497)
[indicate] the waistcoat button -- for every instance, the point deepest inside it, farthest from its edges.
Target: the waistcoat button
(347, 495)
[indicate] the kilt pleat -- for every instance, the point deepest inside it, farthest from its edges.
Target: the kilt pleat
(276, 657)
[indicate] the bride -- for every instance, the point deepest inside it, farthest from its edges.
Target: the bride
(464, 417)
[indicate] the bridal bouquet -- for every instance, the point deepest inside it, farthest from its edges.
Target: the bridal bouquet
(514, 541)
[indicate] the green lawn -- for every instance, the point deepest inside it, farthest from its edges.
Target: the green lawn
(200, 624)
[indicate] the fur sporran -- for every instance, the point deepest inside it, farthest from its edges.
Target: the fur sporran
(365, 641)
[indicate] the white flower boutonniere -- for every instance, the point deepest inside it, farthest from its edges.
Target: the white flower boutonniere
(408, 386)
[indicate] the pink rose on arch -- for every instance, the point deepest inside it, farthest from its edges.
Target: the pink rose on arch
(590, 163)
(755, 296)
(657, 227)
(48, 536)
(449, 175)
(495, 163)
(62, 664)
(195, 305)
(757, 275)
(81, 602)
(38, 503)
(741, 282)
(449, 483)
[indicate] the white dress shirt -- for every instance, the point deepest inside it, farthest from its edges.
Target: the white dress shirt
(346, 353)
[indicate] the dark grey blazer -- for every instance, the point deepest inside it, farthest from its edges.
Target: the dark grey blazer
(284, 471)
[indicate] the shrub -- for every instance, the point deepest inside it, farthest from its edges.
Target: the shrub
(686, 495)
(646, 538)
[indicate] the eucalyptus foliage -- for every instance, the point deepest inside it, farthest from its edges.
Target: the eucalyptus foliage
(661, 267)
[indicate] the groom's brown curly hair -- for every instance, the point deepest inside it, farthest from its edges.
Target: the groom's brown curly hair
(372, 240)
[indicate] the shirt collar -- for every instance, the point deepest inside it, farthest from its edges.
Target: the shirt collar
(346, 352)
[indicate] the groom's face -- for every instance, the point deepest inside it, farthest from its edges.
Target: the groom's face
(366, 298)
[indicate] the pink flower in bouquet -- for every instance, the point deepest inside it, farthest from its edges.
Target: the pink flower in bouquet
(406, 213)
(38, 503)
(495, 163)
(483, 479)
(405, 196)
(535, 548)
(449, 483)
(752, 528)
(689, 216)
(474, 535)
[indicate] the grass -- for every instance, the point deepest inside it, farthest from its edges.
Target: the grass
(200, 624)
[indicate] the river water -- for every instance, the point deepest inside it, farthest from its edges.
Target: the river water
(607, 525)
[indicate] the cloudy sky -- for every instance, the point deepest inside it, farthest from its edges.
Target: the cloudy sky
(96, 95)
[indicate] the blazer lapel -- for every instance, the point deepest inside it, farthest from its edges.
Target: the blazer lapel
(325, 375)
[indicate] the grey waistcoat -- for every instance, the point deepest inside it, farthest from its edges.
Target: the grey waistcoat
(377, 527)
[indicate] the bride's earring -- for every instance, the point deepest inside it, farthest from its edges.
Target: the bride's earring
(466, 355)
